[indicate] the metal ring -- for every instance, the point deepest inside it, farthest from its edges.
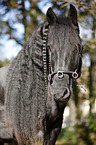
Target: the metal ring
(75, 75)
(61, 76)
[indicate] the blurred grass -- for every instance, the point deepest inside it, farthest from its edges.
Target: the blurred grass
(67, 136)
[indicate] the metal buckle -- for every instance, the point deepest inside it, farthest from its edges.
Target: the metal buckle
(75, 75)
(60, 74)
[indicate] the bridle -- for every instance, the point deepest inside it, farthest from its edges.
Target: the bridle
(60, 74)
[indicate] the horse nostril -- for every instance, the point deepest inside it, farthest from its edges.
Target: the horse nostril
(66, 93)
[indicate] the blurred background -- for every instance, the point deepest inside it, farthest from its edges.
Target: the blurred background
(18, 19)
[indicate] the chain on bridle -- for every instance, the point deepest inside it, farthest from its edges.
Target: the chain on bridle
(60, 74)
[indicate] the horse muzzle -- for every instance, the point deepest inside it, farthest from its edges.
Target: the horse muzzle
(58, 97)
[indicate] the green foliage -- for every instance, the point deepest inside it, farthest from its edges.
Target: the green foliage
(19, 12)
(86, 130)
(4, 63)
(92, 128)
(67, 136)
(92, 122)
(84, 133)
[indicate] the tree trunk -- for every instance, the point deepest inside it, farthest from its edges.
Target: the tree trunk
(92, 75)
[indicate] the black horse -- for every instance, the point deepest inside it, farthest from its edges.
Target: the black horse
(37, 84)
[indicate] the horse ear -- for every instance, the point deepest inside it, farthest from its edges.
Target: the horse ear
(51, 17)
(73, 14)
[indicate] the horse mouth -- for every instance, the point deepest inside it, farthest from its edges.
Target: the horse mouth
(61, 99)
